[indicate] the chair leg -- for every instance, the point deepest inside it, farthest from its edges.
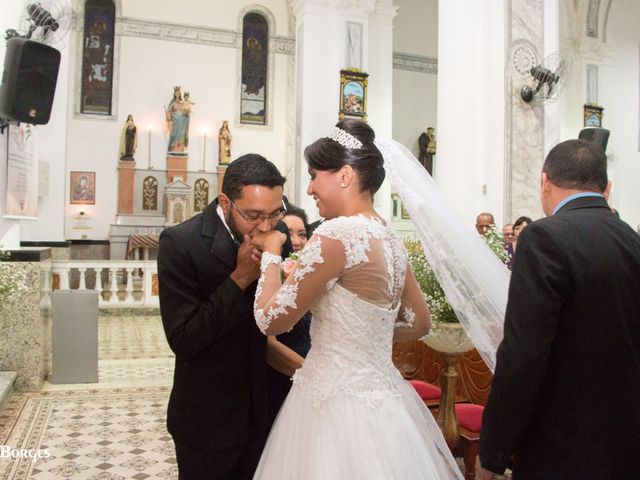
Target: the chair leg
(470, 450)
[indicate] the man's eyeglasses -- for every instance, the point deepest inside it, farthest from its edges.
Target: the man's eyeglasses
(256, 218)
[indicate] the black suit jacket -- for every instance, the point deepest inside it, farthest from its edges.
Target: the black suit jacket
(219, 395)
(565, 399)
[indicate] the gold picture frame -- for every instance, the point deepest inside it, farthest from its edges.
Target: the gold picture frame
(82, 188)
(353, 94)
(593, 115)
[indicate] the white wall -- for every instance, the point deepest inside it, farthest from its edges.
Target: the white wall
(619, 85)
(9, 15)
(617, 55)
(471, 96)
(148, 70)
(49, 226)
(415, 93)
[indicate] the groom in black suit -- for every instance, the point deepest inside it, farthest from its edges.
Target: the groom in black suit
(565, 399)
(207, 272)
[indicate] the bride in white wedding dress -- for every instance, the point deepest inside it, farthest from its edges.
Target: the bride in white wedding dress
(349, 414)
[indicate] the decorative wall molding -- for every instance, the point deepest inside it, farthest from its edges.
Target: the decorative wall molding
(592, 18)
(415, 63)
(173, 32)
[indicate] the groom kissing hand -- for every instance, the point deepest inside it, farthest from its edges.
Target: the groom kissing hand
(208, 270)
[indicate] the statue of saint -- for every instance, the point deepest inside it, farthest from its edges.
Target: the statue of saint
(128, 139)
(224, 144)
(178, 113)
(427, 144)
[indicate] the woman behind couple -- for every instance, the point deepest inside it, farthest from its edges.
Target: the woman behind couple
(349, 414)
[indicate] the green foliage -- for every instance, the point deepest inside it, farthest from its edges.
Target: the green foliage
(440, 308)
(496, 243)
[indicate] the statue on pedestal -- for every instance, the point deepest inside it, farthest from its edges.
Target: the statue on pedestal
(224, 144)
(427, 144)
(177, 114)
(128, 139)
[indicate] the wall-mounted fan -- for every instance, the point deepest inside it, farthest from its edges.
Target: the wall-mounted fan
(46, 21)
(547, 79)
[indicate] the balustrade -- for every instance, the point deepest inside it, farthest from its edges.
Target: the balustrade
(119, 283)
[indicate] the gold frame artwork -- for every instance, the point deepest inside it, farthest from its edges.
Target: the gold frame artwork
(80, 194)
(593, 115)
(353, 94)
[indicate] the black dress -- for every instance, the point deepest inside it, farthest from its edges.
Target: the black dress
(299, 341)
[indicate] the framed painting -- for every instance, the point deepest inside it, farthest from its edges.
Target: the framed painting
(82, 188)
(353, 94)
(593, 115)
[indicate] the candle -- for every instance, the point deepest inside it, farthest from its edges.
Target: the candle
(204, 149)
(149, 167)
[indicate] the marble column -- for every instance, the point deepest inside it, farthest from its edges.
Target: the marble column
(324, 46)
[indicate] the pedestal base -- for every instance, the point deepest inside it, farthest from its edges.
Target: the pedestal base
(126, 178)
(176, 167)
(447, 419)
(221, 170)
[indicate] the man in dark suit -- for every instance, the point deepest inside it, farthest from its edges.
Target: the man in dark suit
(565, 399)
(207, 270)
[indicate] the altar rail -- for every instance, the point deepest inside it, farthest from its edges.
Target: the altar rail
(119, 283)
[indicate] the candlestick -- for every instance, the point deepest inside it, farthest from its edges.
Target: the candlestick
(149, 167)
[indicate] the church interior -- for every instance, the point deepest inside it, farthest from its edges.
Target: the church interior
(154, 99)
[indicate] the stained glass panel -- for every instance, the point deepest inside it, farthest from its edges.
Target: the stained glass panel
(97, 57)
(255, 49)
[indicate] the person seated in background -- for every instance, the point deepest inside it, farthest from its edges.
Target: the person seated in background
(509, 237)
(518, 226)
(484, 221)
(287, 351)
(507, 233)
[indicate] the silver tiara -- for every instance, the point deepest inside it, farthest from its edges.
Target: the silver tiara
(345, 138)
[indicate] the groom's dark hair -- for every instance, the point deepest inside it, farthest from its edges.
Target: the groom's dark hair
(250, 169)
(577, 165)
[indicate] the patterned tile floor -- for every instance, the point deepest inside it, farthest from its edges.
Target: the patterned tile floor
(110, 430)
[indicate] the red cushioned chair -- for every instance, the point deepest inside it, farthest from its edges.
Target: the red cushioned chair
(430, 394)
(470, 420)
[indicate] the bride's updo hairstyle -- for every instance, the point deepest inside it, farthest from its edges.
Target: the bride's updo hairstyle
(328, 154)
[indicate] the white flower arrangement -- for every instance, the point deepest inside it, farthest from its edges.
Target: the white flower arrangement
(440, 308)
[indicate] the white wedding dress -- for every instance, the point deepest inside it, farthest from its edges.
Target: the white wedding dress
(349, 415)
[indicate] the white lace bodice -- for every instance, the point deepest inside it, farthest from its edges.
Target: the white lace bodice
(351, 276)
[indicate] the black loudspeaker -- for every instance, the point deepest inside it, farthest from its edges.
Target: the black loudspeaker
(28, 81)
(599, 136)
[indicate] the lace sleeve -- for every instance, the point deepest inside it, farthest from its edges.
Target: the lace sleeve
(278, 307)
(413, 320)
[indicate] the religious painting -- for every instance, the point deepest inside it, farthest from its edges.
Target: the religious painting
(83, 188)
(97, 57)
(593, 115)
(353, 94)
(255, 49)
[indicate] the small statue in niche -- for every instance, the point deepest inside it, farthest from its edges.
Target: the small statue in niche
(128, 139)
(427, 144)
(224, 144)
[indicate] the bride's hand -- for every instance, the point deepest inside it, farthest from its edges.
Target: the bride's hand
(269, 241)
